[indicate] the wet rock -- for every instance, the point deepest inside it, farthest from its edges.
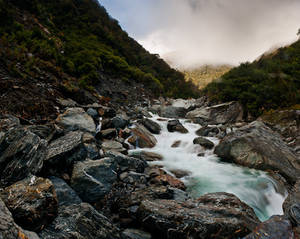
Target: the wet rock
(136, 234)
(106, 112)
(133, 178)
(67, 102)
(208, 131)
(76, 119)
(91, 146)
(63, 152)
(230, 112)
(292, 198)
(32, 202)
(7, 122)
(152, 126)
(204, 142)
(65, 194)
(218, 215)
(275, 227)
(47, 132)
(180, 173)
(108, 134)
(172, 112)
(78, 222)
(176, 144)
(9, 229)
(120, 122)
(142, 138)
(176, 126)
(257, 146)
(294, 214)
(21, 154)
(114, 146)
(92, 112)
(147, 156)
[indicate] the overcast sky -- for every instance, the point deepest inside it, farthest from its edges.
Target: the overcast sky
(195, 32)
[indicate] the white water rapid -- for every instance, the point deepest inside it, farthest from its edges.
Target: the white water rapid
(208, 174)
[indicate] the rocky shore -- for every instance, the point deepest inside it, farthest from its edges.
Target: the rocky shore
(74, 177)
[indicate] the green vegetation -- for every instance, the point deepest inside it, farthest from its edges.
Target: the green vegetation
(77, 41)
(270, 83)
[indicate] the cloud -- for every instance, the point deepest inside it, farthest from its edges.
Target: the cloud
(194, 32)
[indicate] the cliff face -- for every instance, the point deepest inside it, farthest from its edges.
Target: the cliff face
(74, 49)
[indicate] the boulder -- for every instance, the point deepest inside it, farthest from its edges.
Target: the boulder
(9, 229)
(76, 119)
(136, 234)
(293, 198)
(80, 221)
(93, 179)
(204, 142)
(7, 122)
(176, 126)
(152, 126)
(147, 156)
(179, 173)
(257, 146)
(21, 154)
(176, 144)
(63, 152)
(275, 227)
(47, 132)
(32, 202)
(91, 146)
(142, 138)
(230, 112)
(208, 131)
(172, 112)
(110, 145)
(107, 134)
(217, 215)
(65, 194)
(120, 122)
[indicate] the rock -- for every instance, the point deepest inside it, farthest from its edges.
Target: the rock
(204, 142)
(257, 146)
(108, 134)
(76, 119)
(106, 112)
(176, 126)
(120, 122)
(32, 202)
(208, 131)
(9, 229)
(133, 178)
(218, 114)
(275, 227)
(93, 179)
(172, 112)
(180, 173)
(65, 194)
(152, 126)
(92, 112)
(7, 122)
(292, 198)
(63, 152)
(21, 154)
(114, 146)
(147, 156)
(176, 144)
(67, 102)
(142, 138)
(136, 234)
(47, 132)
(294, 214)
(91, 146)
(218, 215)
(78, 222)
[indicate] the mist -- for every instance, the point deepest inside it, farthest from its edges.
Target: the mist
(190, 33)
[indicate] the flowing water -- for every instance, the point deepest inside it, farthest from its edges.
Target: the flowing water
(207, 174)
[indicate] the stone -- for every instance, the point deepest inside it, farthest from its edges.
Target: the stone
(110, 145)
(292, 198)
(65, 194)
(142, 138)
(76, 119)
(47, 132)
(230, 112)
(63, 152)
(91, 146)
(93, 179)
(179, 173)
(176, 144)
(32, 202)
(207, 131)
(80, 221)
(176, 126)
(92, 112)
(106, 112)
(172, 112)
(275, 227)
(151, 125)
(217, 215)
(67, 102)
(120, 122)
(147, 156)
(9, 229)
(21, 154)
(108, 134)
(204, 142)
(7, 122)
(133, 178)
(136, 234)
(257, 146)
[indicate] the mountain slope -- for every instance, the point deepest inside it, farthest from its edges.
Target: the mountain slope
(76, 48)
(272, 82)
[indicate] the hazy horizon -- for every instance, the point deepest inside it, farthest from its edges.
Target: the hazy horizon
(189, 33)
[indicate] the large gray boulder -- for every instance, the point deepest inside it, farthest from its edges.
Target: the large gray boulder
(32, 202)
(218, 114)
(21, 154)
(151, 125)
(93, 179)
(80, 221)
(257, 146)
(76, 119)
(9, 229)
(142, 138)
(172, 112)
(218, 215)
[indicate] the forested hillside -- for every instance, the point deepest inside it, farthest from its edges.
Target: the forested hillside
(271, 82)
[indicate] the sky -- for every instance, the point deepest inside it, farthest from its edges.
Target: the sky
(190, 33)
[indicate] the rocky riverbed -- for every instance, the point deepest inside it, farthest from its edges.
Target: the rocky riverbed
(99, 171)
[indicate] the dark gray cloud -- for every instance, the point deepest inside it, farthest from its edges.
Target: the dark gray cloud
(195, 32)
